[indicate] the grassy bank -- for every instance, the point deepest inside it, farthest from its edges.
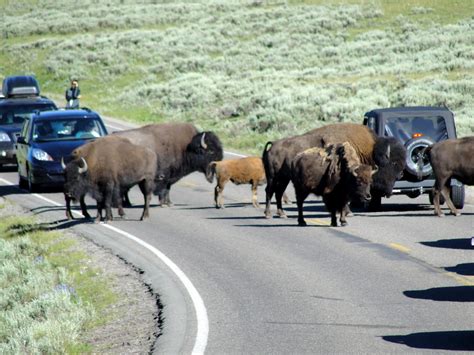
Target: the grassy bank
(251, 70)
(50, 296)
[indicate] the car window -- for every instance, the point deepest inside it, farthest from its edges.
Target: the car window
(12, 115)
(406, 128)
(67, 129)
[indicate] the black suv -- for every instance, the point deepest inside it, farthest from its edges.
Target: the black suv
(19, 101)
(417, 128)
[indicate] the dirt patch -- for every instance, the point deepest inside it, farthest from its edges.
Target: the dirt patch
(135, 322)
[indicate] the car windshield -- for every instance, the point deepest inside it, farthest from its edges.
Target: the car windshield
(16, 115)
(67, 129)
(406, 128)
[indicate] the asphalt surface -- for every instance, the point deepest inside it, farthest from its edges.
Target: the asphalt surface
(399, 280)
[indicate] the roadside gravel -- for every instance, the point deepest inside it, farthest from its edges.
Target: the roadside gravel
(134, 320)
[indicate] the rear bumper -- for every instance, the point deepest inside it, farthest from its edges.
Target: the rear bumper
(403, 187)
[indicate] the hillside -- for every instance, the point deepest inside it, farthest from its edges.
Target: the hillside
(250, 70)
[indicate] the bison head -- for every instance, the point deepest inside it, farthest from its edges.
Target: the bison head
(77, 182)
(390, 157)
(204, 148)
(362, 175)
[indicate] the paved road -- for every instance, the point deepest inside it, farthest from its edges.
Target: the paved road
(401, 280)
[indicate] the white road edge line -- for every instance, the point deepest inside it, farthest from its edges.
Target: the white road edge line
(201, 312)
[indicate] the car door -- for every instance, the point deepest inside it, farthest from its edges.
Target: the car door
(22, 146)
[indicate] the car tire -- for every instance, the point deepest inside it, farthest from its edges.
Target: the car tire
(32, 187)
(22, 183)
(414, 148)
(458, 194)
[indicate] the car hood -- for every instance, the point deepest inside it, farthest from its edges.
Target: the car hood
(60, 149)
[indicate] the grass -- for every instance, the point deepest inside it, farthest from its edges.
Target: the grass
(49, 294)
(250, 70)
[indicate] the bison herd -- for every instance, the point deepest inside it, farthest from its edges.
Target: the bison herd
(339, 162)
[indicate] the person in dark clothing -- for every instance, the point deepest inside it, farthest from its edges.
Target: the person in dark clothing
(73, 94)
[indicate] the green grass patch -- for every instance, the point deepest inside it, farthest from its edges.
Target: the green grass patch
(49, 293)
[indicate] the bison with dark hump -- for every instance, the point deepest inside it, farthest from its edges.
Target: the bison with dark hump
(333, 172)
(385, 152)
(180, 148)
(104, 169)
(452, 158)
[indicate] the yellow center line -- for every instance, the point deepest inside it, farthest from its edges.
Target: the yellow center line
(399, 247)
(317, 221)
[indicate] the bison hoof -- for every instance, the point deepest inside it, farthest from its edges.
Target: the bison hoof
(282, 214)
(343, 224)
(302, 223)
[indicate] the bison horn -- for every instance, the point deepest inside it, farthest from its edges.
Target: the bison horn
(203, 143)
(84, 168)
(388, 152)
(62, 163)
(375, 169)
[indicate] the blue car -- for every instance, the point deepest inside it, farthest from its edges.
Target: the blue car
(48, 137)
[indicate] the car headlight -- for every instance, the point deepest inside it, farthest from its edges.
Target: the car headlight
(39, 154)
(4, 137)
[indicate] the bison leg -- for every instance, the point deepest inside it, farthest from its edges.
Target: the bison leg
(333, 218)
(268, 199)
(278, 195)
(286, 199)
(164, 197)
(343, 214)
(108, 200)
(438, 186)
(68, 207)
(126, 200)
(445, 191)
(218, 193)
(300, 197)
(84, 208)
(146, 187)
(254, 195)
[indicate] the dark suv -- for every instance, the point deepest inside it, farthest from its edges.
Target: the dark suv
(416, 128)
(19, 101)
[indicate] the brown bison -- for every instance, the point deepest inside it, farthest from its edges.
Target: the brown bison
(452, 158)
(105, 168)
(336, 174)
(248, 170)
(180, 149)
(385, 152)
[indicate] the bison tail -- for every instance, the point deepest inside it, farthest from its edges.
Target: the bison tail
(210, 171)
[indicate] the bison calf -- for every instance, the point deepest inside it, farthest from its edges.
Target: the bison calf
(336, 174)
(452, 158)
(247, 170)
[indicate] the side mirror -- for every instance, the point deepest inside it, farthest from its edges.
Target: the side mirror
(21, 140)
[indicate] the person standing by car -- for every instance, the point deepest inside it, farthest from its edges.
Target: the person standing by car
(73, 94)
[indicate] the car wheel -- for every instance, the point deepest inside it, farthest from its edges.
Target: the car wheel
(418, 163)
(457, 196)
(32, 187)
